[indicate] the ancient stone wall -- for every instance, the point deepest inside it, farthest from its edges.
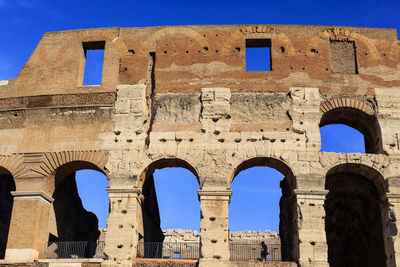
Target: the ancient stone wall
(181, 97)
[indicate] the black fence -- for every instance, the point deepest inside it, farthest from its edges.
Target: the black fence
(74, 250)
(169, 250)
(253, 252)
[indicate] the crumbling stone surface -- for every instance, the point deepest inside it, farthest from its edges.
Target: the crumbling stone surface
(181, 97)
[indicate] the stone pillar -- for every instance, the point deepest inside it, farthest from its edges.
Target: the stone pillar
(393, 236)
(313, 249)
(29, 227)
(214, 227)
(122, 226)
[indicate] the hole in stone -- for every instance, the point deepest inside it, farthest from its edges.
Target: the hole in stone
(314, 51)
(131, 51)
(282, 49)
(237, 49)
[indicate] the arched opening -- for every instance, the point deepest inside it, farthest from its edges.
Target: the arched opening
(170, 210)
(265, 187)
(341, 138)
(354, 222)
(364, 123)
(7, 185)
(79, 187)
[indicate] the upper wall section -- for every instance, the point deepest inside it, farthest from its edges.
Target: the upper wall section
(337, 60)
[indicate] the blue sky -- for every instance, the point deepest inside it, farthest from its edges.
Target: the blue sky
(23, 22)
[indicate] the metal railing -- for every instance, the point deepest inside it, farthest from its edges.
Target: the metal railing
(169, 250)
(74, 250)
(252, 252)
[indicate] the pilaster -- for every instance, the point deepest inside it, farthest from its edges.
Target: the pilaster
(29, 227)
(313, 249)
(122, 226)
(214, 227)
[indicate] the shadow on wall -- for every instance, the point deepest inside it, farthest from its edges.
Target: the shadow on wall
(6, 203)
(74, 223)
(353, 221)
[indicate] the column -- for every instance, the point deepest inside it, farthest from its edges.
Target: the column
(313, 249)
(123, 225)
(29, 227)
(214, 227)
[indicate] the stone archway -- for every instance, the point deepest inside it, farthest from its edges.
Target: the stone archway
(73, 222)
(288, 231)
(346, 111)
(150, 225)
(354, 217)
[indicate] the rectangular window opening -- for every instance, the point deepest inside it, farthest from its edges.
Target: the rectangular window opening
(258, 55)
(94, 56)
(344, 57)
(177, 255)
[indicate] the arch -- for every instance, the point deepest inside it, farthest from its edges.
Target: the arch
(394, 52)
(149, 44)
(92, 159)
(356, 114)
(86, 36)
(340, 34)
(164, 163)
(271, 162)
(288, 231)
(258, 32)
(71, 221)
(149, 224)
(345, 102)
(73, 166)
(355, 224)
(368, 172)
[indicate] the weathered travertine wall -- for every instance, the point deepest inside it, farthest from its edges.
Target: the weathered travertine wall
(181, 96)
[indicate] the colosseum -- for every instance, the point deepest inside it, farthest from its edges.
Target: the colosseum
(182, 96)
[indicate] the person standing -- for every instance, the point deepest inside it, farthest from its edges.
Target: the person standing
(264, 251)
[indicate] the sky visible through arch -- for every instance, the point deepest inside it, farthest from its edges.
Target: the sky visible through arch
(23, 22)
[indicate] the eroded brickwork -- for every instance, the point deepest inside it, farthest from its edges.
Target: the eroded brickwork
(181, 97)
